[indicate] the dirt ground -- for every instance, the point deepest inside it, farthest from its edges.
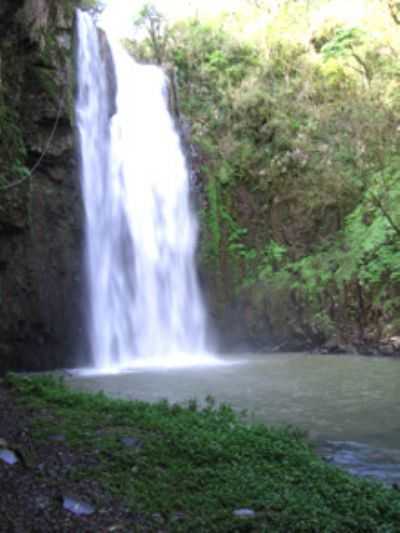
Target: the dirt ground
(33, 490)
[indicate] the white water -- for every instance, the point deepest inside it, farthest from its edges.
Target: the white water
(145, 303)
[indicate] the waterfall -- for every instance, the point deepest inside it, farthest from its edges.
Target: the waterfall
(145, 302)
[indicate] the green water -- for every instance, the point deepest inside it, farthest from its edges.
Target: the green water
(349, 405)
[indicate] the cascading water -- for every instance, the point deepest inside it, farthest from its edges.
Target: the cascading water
(145, 303)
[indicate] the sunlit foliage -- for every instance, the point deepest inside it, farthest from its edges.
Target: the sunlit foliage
(295, 113)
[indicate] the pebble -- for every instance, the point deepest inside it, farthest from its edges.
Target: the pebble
(157, 517)
(178, 517)
(131, 442)
(77, 507)
(42, 502)
(57, 438)
(8, 457)
(244, 513)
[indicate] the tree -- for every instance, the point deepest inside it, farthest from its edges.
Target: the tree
(154, 24)
(394, 8)
(346, 43)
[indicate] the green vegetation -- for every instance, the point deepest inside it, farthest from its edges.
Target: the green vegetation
(12, 145)
(296, 125)
(202, 464)
(28, 65)
(12, 148)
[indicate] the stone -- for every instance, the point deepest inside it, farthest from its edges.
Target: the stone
(178, 517)
(77, 507)
(57, 438)
(131, 442)
(8, 457)
(157, 517)
(395, 341)
(42, 502)
(244, 513)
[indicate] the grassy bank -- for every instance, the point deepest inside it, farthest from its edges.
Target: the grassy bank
(185, 469)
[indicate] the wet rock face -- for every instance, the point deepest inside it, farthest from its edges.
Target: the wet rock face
(110, 70)
(40, 217)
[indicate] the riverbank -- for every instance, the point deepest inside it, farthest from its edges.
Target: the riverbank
(334, 345)
(133, 466)
(385, 348)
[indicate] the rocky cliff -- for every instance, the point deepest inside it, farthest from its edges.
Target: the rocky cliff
(40, 208)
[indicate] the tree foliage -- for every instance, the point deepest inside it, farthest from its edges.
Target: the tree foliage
(297, 141)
